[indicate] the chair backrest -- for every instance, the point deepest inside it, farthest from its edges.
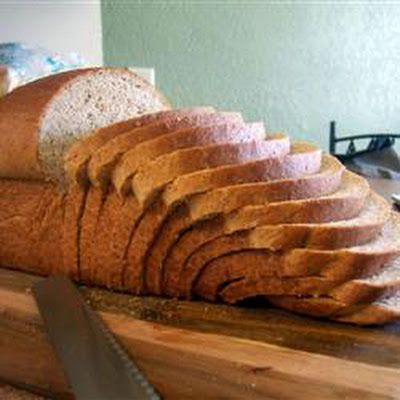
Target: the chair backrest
(377, 141)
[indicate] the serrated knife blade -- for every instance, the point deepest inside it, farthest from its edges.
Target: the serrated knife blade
(96, 365)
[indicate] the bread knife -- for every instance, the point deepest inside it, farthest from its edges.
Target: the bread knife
(96, 365)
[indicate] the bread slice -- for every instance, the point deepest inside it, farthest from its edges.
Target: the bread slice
(48, 115)
(178, 140)
(303, 159)
(79, 155)
(281, 238)
(106, 157)
(379, 312)
(152, 177)
(342, 204)
(361, 291)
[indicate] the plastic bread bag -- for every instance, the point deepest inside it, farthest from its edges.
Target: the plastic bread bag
(21, 63)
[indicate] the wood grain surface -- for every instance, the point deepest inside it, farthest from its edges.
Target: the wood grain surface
(193, 350)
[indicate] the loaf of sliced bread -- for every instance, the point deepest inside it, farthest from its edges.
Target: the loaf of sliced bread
(191, 202)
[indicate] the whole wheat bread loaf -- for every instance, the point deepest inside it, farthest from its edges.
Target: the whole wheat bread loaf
(212, 208)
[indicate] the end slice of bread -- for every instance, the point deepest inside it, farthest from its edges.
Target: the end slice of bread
(48, 115)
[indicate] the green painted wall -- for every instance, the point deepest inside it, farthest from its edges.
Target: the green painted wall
(295, 66)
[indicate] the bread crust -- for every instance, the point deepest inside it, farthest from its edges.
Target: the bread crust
(31, 221)
(75, 200)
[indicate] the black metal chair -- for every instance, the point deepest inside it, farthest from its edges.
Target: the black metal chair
(377, 142)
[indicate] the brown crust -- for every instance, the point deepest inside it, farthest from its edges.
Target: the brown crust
(23, 109)
(88, 227)
(147, 228)
(117, 221)
(170, 229)
(74, 207)
(31, 226)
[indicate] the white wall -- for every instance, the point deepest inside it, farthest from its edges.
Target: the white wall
(62, 26)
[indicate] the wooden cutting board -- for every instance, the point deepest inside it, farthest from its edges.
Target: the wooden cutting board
(193, 350)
